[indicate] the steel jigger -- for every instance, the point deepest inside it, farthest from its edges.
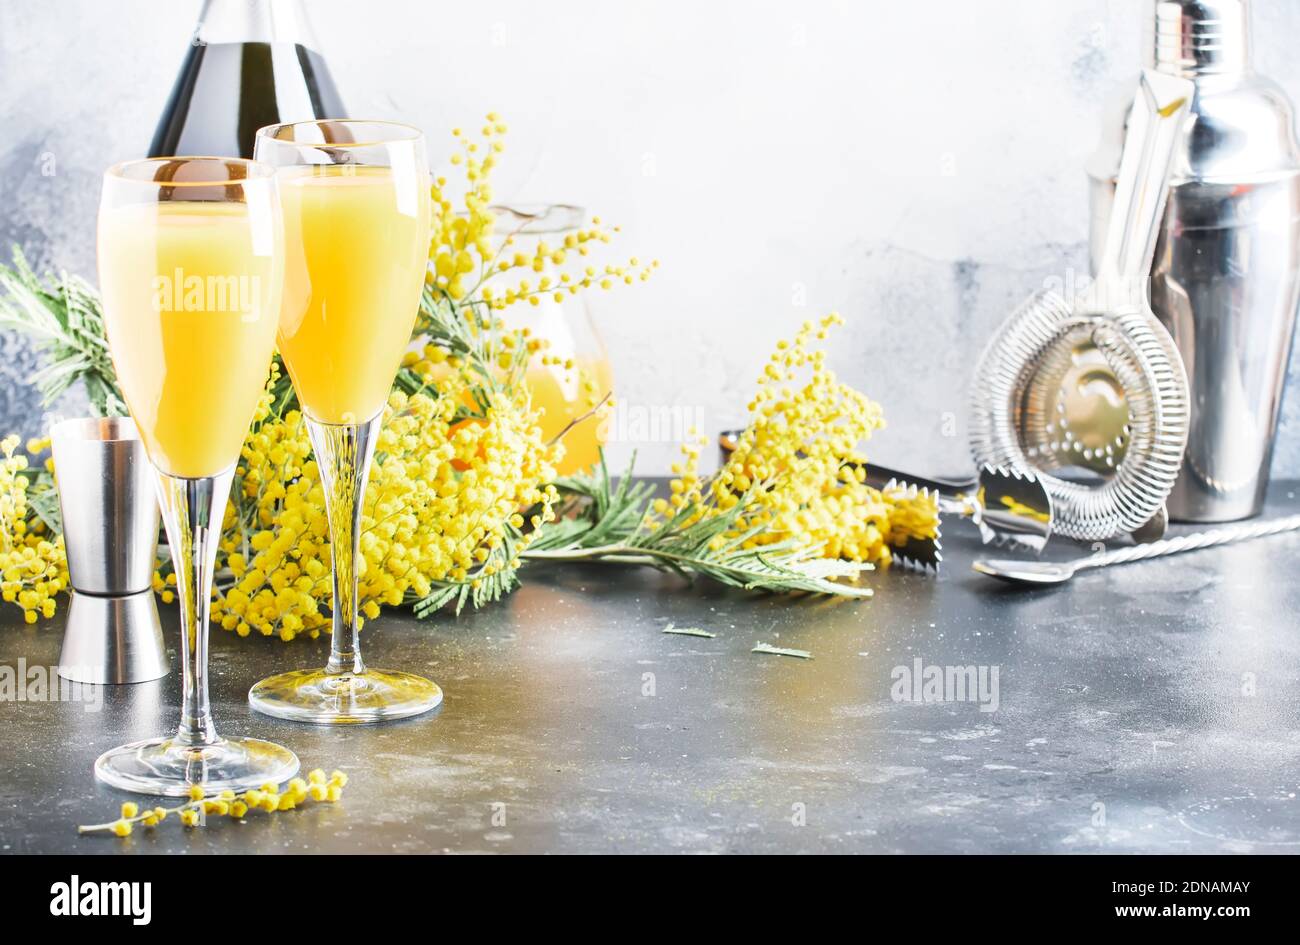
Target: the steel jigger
(110, 531)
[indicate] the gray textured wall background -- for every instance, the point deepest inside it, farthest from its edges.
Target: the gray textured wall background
(918, 167)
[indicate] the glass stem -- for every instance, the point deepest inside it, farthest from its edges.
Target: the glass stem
(192, 511)
(343, 455)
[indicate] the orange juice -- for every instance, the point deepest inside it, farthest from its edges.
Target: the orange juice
(191, 294)
(356, 244)
(564, 395)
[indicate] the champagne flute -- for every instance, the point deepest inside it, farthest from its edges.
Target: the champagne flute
(356, 203)
(191, 269)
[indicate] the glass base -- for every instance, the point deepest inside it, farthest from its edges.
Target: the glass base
(162, 766)
(313, 695)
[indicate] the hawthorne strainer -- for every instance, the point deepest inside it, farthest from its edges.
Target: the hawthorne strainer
(1091, 397)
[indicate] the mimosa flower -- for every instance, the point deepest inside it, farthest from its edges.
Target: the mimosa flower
(194, 811)
(446, 486)
(33, 565)
(798, 469)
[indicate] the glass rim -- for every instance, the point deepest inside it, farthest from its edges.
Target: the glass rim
(257, 170)
(270, 132)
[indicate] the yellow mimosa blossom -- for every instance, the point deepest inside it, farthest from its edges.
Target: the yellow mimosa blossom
(33, 565)
(193, 811)
(798, 467)
(445, 485)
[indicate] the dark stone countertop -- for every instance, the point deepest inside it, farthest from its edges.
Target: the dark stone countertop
(1154, 707)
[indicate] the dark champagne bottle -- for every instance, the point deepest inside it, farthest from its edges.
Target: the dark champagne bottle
(250, 64)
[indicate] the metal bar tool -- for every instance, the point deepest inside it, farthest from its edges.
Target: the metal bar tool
(110, 531)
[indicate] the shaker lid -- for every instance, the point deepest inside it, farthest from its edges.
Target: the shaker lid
(1240, 129)
(1198, 37)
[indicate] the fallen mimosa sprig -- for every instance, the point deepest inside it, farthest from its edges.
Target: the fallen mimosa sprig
(192, 813)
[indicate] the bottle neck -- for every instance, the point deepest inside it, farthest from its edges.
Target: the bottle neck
(254, 21)
(1199, 37)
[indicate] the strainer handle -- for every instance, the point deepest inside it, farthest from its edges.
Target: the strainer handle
(1154, 124)
(1193, 542)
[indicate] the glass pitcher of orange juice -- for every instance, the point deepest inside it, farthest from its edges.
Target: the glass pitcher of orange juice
(570, 377)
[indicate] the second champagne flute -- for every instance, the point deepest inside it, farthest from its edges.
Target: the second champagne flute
(356, 203)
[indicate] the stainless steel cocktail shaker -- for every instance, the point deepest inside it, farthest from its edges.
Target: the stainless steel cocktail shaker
(1225, 279)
